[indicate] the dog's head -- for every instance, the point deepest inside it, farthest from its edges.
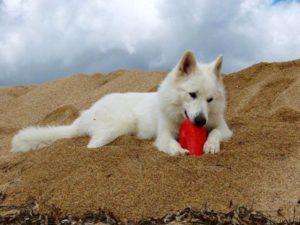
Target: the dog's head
(200, 87)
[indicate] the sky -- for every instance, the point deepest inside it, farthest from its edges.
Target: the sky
(42, 40)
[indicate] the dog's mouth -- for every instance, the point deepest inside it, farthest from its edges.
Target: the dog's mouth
(186, 115)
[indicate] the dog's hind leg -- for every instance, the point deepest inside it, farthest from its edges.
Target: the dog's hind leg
(99, 140)
(110, 126)
(102, 138)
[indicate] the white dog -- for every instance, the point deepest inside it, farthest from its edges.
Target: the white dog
(191, 90)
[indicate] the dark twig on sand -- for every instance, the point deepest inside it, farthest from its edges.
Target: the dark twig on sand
(29, 214)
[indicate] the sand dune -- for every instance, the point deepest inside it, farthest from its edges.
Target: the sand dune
(259, 167)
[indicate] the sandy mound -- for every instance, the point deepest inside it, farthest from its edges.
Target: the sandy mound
(259, 167)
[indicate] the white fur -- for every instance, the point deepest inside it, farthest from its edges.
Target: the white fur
(147, 115)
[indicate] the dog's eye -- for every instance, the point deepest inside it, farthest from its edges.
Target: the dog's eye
(193, 95)
(209, 99)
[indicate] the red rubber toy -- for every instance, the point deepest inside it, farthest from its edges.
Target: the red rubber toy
(192, 137)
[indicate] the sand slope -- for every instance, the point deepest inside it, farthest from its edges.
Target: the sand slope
(259, 166)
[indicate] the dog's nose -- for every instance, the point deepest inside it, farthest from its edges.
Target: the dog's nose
(200, 120)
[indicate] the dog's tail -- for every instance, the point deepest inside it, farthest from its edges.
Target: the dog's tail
(33, 138)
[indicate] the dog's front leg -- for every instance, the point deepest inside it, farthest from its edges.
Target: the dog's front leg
(165, 140)
(216, 135)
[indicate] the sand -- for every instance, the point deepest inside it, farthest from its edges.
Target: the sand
(259, 167)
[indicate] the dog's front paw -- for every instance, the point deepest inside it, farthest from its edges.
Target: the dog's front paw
(175, 149)
(171, 147)
(212, 145)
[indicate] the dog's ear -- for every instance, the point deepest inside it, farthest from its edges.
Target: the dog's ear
(217, 65)
(187, 64)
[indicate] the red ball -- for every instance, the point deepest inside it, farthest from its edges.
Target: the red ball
(192, 137)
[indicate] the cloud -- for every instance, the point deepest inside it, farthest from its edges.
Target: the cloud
(43, 40)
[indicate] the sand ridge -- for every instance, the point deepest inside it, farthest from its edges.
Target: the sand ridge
(259, 167)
